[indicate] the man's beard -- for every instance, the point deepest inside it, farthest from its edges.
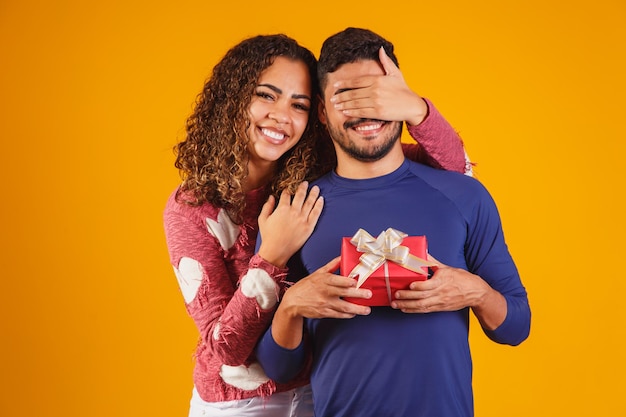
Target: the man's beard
(363, 154)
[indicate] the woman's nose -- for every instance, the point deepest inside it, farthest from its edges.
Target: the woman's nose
(279, 113)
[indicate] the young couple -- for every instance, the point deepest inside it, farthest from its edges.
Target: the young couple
(259, 134)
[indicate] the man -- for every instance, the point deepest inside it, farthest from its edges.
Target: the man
(412, 358)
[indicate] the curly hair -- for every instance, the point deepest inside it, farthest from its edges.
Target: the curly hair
(213, 157)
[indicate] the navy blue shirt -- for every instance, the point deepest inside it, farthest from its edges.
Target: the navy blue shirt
(391, 363)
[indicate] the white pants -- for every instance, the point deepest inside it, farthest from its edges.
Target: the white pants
(295, 403)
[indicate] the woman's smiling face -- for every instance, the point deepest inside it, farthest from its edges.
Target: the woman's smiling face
(279, 110)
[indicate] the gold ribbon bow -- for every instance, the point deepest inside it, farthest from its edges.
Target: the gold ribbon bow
(376, 252)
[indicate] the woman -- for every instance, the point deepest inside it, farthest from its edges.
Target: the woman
(252, 136)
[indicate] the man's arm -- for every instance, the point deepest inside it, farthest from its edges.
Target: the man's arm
(281, 350)
(452, 289)
(492, 288)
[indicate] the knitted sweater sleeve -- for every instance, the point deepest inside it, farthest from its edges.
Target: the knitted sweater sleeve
(439, 145)
(230, 294)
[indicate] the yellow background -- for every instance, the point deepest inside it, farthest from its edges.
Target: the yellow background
(93, 95)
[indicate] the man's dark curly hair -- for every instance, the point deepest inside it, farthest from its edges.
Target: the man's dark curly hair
(213, 157)
(348, 46)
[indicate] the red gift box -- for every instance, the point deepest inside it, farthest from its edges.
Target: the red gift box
(384, 264)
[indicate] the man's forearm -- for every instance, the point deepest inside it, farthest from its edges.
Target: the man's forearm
(491, 309)
(287, 328)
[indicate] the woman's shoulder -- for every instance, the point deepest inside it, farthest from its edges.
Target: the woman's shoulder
(180, 203)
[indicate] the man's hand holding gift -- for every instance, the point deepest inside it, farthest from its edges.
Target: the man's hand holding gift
(450, 289)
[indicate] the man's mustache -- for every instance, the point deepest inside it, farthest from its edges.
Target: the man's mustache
(351, 123)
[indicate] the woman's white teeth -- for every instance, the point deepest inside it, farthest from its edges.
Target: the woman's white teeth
(368, 127)
(272, 134)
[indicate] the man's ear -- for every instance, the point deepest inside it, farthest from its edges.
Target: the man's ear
(321, 113)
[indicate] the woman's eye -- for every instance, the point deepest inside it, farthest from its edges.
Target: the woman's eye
(264, 95)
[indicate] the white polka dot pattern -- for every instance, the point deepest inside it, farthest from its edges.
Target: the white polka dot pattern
(257, 283)
(245, 378)
(223, 229)
(469, 169)
(189, 276)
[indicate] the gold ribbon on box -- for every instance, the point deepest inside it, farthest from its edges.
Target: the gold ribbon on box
(377, 251)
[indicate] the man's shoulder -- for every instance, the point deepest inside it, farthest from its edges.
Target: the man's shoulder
(454, 185)
(323, 178)
(324, 181)
(429, 173)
